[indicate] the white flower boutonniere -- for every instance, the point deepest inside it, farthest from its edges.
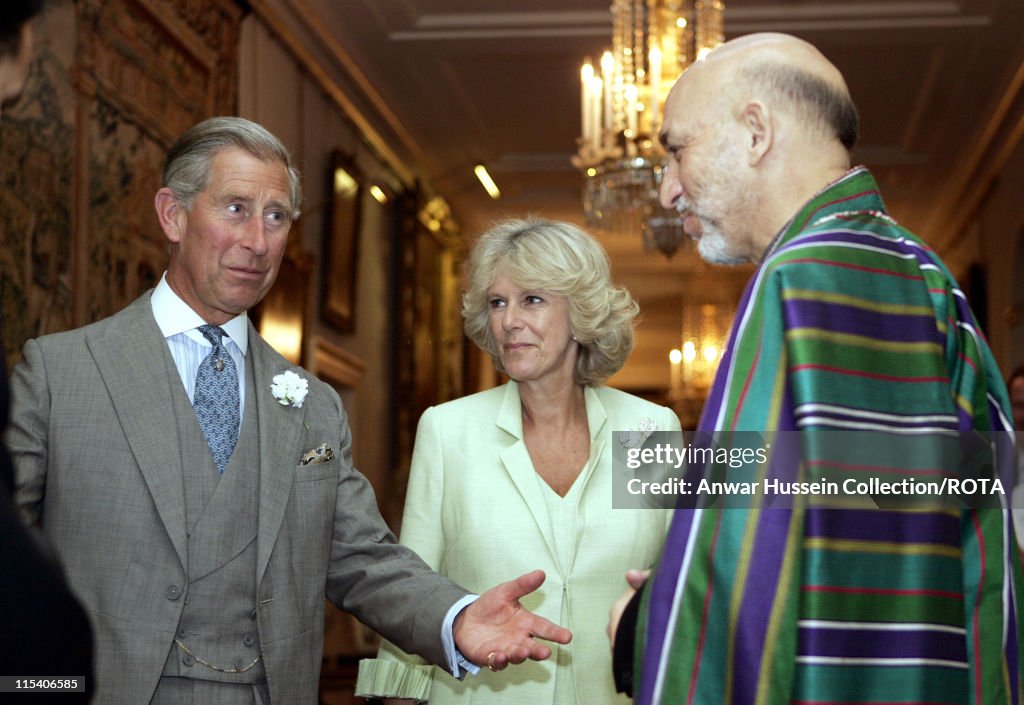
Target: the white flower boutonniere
(289, 388)
(635, 439)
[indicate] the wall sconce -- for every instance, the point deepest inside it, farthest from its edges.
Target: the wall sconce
(693, 365)
(675, 359)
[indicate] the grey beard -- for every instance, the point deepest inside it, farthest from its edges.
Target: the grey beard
(714, 248)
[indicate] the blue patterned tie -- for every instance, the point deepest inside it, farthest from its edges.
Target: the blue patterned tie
(216, 398)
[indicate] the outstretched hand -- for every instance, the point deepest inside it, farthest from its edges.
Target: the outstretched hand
(496, 630)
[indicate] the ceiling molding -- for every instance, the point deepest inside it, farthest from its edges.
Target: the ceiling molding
(444, 35)
(846, 10)
(580, 19)
(514, 19)
(863, 16)
(505, 25)
(851, 16)
(736, 26)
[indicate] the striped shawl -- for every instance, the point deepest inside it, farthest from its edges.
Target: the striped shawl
(850, 323)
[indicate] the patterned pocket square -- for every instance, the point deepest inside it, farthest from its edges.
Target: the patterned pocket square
(321, 454)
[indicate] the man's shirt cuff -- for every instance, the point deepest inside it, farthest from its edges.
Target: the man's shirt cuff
(458, 664)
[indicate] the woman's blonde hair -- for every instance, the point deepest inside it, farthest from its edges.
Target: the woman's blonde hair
(560, 259)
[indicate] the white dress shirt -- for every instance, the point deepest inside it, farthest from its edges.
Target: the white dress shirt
(179, 325)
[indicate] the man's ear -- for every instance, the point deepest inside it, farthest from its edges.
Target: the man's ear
(171, 215)
(756, 120)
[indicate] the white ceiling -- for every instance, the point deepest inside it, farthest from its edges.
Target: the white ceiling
(450, 83)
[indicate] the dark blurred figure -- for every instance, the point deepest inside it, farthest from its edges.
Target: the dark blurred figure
(15, 46)
(1015, 384)
(44, 632)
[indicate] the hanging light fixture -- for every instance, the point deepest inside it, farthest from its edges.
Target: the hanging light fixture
(653, 42)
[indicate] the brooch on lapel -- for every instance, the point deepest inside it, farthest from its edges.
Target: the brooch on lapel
(635, 439)
(289, 388)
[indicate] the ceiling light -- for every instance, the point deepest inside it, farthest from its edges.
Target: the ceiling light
(653, 42)
(488, 183)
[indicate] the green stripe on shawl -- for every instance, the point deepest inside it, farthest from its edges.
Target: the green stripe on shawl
(880, 684)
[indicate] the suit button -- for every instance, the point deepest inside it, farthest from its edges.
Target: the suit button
(188, 660)
(248, 640)
(182, 633)
(253, 614)
(173, 592)
(239, 665)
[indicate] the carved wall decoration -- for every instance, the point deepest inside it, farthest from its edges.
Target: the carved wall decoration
(114, 82)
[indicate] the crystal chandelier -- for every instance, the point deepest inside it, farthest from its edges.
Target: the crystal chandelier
(653, 41)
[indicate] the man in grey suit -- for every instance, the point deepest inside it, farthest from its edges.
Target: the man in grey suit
(203, 501)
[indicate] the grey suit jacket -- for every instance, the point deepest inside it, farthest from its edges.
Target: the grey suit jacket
(98, 461)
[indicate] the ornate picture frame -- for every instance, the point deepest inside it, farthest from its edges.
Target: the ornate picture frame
(344, 195)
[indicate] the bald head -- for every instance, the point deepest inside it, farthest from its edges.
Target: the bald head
(752, 132)
(787, 73)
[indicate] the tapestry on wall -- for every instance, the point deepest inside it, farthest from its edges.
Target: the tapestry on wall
(36, 164)
(113, 84)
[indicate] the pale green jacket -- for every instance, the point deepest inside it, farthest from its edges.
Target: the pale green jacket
(475, 511)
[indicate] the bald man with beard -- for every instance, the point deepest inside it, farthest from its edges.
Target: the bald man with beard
(854, 355)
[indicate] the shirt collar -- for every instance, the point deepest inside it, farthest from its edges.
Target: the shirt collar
(174, 316)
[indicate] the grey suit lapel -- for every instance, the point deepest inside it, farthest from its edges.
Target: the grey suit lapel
(131, 356)
(280, 432)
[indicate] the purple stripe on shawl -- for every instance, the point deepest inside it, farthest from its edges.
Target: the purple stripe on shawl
(865, 238)
(908, 246)
(879, 525)
(759, 596)
(964, 313)
(840, 318)
(663, 584)
(661, 599)
(879, 643)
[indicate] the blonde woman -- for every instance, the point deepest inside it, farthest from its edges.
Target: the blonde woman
(520, 476)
